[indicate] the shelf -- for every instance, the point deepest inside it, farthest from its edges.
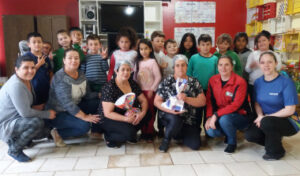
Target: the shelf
(86, 20)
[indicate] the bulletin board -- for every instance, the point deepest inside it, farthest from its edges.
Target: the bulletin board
(195, 12)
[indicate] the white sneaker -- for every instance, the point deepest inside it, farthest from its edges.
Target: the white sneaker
(59, 142)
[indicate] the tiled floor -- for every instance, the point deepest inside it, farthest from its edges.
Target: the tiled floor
(93, 158)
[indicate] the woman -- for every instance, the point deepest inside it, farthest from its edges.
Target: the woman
(19, 123)
(118, 127)
(263, 43)
(70, 97)
(227, 106)
(275, 105)
(183, 125)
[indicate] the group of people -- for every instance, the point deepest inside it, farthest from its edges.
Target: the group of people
(226, 91)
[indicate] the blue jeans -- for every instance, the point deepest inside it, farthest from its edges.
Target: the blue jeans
(68, 125)
(228, 125)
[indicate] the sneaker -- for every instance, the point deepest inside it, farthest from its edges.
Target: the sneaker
(230, 148)
(19, 156)
(164, 146)
(268, 157)
(59, 142)
(111, 144)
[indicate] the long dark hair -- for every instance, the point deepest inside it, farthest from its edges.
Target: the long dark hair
(193, 50)
(139, 57)
(266, 34)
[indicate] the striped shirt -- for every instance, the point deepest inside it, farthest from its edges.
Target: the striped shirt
(95, 69)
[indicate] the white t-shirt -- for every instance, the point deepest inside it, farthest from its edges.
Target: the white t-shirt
(169, 70)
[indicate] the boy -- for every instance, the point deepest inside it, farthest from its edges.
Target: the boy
(41, 80)
(224, 43)
(158, 40)
(76, 38)
(203, 66)
(96, 65)
(47, 51)
(166, 63)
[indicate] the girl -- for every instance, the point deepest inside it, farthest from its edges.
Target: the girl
(263, 43)
(188, 45)
(240, 43)
(126, 41)
(148, 76)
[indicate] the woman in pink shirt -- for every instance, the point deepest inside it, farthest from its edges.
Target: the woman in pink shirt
(148, 76)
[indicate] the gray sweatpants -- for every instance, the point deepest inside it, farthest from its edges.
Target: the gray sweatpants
(25, 130)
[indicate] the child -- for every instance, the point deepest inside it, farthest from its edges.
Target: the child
(158, 41)
(224, 43)
(47, 50)
(95, 66)
(76, 38)
(167, 61)
(64, 41)
(126, 40)
(203, 66)
(148, 76)
(188, 45)
(240, 43)
(41, 80)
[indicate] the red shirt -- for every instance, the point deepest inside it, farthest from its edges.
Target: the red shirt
(227, 99)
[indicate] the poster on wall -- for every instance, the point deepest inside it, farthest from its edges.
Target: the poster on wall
(195, 12)
(197, 31)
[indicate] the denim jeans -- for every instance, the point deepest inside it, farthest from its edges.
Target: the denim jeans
(68, 125)
(228, 125)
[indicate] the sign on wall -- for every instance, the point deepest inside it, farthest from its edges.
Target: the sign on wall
(195, 12)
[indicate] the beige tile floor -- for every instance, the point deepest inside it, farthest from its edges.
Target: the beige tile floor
(85, 157)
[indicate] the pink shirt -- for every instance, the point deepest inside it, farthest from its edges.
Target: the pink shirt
(149, 75)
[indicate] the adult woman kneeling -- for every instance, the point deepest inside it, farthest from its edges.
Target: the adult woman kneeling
(19, 123)
(182, 125)
(71, 98)
(118, 127)
(227, 104)
(275, 103)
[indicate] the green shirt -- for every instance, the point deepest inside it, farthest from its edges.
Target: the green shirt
(202, 68)
(81, 54)
(237, 67)
(59, 54)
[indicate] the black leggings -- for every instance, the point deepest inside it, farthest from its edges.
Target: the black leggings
(270, 134)
(175, 128)
(120, 132)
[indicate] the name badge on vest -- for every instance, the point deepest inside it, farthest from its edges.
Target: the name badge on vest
(229, 94)
(273, 94)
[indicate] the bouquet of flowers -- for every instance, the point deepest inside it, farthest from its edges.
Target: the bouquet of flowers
(173, 103)
(126, 102)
